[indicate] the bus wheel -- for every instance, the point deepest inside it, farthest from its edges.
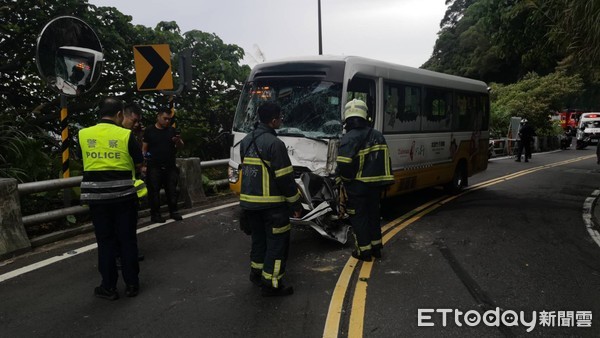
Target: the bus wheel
(459, 180)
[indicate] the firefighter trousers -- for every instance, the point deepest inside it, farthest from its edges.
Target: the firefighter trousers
(270, 243)
(363, 208)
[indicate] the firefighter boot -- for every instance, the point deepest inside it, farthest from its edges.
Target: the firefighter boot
(255, 277)
(268, 291)
(362, 256)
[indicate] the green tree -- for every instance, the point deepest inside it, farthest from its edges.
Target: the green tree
(535, 98)
(34, 109)
(573, 28)
(493, 40)
(207, 110)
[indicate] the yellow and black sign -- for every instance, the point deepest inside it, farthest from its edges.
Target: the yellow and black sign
(153, 67)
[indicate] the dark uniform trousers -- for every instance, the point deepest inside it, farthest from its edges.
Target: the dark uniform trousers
(162, 177)
(363, 208)
(270, 229)
(115, 228)
(524, 143)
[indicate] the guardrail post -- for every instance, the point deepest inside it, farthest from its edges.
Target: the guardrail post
(13, 238)
(190, 181)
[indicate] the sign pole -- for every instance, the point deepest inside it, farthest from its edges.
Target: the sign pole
(172, 108)
(320, 38)
(64, 147)
(64, 125)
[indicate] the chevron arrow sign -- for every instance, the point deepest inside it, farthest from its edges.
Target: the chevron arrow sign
(153, 67)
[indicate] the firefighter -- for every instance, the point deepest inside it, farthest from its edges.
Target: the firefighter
(268, 194)
(364, 168)
(110, 156)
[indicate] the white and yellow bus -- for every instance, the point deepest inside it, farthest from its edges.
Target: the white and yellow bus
(436, 125)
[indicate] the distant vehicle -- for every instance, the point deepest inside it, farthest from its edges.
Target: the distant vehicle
(436, 125)
(569, 119)
(588, 130)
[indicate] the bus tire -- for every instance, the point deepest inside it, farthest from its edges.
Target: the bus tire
(459, 180)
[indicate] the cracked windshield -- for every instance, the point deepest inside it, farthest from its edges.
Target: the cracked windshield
(310, 108)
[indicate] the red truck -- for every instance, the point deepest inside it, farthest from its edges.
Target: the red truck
(569, 119)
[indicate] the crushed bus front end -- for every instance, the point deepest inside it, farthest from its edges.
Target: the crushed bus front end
(311, 106)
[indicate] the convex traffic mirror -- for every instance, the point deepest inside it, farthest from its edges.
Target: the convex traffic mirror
(69, 56)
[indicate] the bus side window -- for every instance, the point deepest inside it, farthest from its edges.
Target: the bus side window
(437, 110)
(402, 107)
(363, 89)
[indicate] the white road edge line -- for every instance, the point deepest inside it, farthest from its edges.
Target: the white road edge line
(587, 216)
(87, 248)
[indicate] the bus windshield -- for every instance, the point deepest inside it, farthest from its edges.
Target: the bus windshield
(310, 108)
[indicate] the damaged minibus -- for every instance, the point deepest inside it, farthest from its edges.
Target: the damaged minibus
(436, 126)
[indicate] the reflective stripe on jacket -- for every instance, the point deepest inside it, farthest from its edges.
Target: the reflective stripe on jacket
(369, 164)
(269, 183)
(107, 165)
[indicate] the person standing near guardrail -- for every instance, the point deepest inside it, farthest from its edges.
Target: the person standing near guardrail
(159, 146)
(132, 120)
(110, 157)
(526, 134)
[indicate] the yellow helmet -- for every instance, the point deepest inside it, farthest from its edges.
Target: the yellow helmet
(356, 108)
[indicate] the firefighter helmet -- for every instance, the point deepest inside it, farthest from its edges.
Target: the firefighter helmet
(356, 108)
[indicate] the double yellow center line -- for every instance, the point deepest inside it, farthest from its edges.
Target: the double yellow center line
(357, 314)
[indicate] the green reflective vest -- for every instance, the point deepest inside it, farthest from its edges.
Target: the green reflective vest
(108, 167)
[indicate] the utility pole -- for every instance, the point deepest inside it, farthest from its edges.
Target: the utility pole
(320, 38)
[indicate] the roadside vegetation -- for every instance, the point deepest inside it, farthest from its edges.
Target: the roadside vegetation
(539, 56)
(29, 111)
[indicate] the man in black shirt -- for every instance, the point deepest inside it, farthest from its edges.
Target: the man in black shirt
(160, 144)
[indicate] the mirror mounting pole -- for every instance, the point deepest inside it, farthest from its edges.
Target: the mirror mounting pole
(185, 73)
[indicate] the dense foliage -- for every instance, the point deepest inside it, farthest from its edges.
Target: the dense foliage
(535, 98)
(538, 55)
(30, 111)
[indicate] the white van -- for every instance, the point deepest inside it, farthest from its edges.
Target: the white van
(588, 130)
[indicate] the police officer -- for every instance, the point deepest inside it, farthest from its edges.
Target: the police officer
(268, 193)
(363, 166)
(110, 156)
(526, 134)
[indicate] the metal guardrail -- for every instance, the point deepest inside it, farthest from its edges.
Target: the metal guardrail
(508, 146)
(503, 146)
(65, 183)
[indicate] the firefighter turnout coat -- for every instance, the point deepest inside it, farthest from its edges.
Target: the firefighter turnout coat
(268, 175)
(364, 156)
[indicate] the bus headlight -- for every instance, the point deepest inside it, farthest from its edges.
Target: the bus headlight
(233, 174)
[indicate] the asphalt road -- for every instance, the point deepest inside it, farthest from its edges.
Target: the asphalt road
(515, 241)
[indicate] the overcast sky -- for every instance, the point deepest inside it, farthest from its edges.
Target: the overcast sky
(398, 31)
